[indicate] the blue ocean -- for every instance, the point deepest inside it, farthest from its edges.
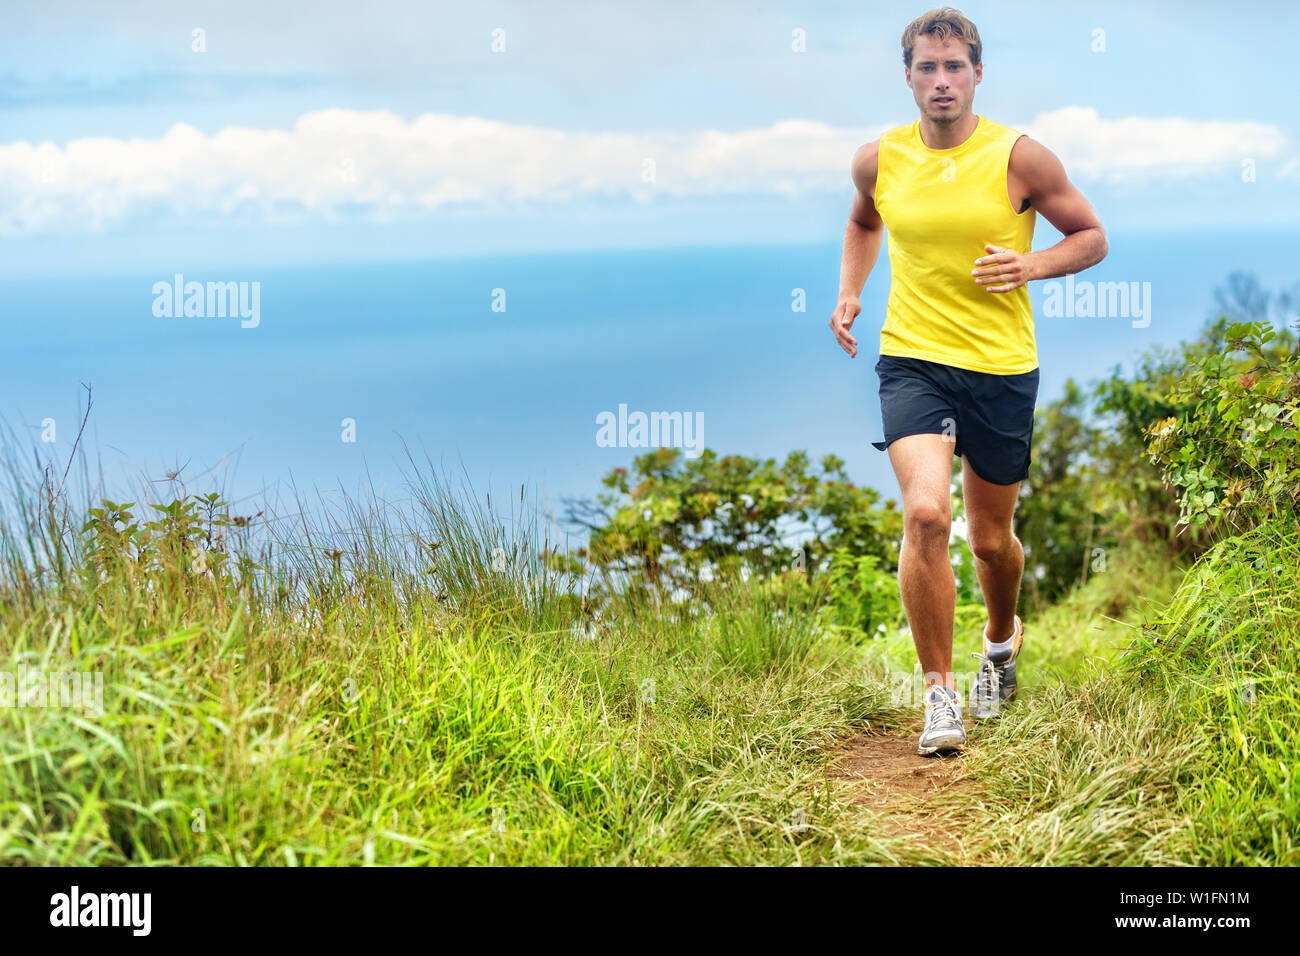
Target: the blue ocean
(497, 369)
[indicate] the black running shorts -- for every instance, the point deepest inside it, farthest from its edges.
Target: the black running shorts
(990, 417)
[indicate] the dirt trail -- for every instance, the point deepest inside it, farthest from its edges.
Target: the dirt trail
(900, 787)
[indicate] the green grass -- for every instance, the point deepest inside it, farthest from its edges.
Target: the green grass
(1165, 745)
(412, 686)
(1225, 656)
(352, 707)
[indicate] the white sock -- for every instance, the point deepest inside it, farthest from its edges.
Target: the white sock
(999, 650)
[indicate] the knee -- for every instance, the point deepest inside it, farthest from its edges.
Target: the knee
(928, 525)
(986, 544)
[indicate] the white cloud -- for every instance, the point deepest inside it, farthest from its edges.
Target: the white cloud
(1142, 148)
(338, 163)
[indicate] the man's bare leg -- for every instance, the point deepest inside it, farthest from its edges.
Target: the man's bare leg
(923, 466)
(999, 557)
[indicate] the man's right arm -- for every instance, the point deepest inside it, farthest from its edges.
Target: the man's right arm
(862, 239)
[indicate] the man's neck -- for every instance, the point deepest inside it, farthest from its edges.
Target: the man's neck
(948, 135)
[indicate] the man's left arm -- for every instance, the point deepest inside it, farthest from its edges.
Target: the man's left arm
(1042, 180)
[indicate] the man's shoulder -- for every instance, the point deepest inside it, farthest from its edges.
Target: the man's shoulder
(865, 166)
(1028, 157)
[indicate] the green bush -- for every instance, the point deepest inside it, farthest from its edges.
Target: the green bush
(1234, 456)
(862, 596)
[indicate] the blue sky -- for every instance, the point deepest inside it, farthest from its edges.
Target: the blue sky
(351, 131)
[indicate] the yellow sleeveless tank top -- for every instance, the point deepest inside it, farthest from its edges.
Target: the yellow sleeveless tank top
(940, 207)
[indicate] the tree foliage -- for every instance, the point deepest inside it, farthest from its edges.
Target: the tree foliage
(671, 521)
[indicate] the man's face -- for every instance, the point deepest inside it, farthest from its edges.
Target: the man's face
(942, 78)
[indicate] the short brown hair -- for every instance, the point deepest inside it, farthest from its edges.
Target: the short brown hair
(941, 24)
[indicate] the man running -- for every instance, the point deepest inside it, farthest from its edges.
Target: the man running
(958, 365)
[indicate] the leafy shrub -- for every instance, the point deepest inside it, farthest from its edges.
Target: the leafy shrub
(674, 524)
(1235, 455)
(862, 596)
